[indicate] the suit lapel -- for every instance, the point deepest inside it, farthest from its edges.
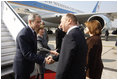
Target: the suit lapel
(32, 35)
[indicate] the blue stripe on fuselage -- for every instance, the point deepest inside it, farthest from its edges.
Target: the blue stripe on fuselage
(43, 6)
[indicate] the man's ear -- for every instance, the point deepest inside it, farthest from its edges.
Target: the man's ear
(69, 21)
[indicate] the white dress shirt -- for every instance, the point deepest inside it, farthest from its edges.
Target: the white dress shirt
(71, 29)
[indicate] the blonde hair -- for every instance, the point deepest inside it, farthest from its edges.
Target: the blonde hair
(94, 27)
(41, 26)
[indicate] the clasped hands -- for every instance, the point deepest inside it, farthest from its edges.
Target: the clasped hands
(49, 59)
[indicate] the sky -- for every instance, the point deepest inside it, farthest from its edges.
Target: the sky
(88, 6)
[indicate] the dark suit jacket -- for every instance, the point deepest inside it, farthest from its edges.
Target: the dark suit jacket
(26, 49)
(72, 59)
(59, 37)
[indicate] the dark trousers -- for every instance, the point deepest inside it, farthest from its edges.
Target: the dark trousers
(22, 76)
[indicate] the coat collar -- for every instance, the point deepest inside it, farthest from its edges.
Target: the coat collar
(71, 29)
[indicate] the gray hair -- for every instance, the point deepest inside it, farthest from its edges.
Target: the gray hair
(33, 16)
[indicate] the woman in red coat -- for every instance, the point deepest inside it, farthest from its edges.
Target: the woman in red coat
(94, 61)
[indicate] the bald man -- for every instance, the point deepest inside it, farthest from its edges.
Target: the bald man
(72, 58)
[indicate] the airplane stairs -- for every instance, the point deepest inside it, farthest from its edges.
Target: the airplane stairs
(7, 51)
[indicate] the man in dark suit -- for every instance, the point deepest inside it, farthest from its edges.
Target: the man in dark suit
(26, 49)
(59, 37)
(72, 58)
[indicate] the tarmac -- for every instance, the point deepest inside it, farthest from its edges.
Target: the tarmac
(109, 56)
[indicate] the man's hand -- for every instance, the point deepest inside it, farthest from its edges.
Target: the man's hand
(49, 60)
(54, 52)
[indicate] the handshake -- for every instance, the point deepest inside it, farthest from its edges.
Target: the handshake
(49, 59)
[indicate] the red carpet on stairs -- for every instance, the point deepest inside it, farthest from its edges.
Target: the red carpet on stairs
(48, 75)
